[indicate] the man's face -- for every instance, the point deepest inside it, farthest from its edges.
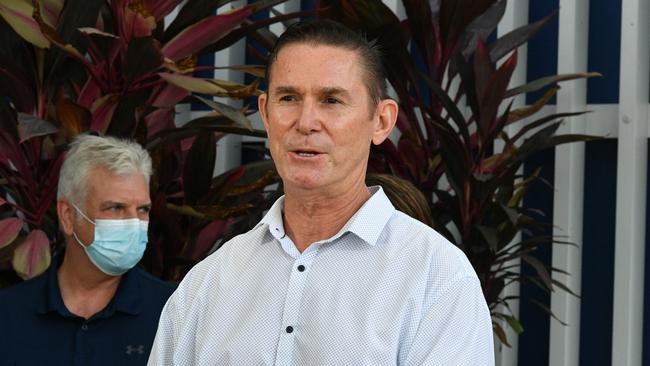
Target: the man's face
(317, 117)
(111, 196)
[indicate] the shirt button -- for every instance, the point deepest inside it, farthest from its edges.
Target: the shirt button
(84, 327)
(289, 329)
(301, 268)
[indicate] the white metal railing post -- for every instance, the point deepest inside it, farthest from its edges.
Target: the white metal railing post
(631, 185)
(516, 15)
(568, 205)
(229, 146)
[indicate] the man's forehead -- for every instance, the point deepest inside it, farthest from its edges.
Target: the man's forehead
(301, 62)
(102, 184)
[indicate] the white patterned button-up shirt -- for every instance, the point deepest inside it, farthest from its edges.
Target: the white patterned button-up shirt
(385, 290)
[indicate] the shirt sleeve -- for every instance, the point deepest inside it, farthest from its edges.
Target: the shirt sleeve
(456, 329)
(164, 344)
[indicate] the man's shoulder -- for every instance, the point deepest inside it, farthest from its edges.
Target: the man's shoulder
(239, 244)
(411, 235)
(153, 284)
(26, 292)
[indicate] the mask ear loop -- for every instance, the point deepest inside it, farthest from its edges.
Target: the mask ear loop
(82, 214)
(87, 219)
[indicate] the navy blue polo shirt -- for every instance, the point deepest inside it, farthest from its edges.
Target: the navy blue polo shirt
(37, 329)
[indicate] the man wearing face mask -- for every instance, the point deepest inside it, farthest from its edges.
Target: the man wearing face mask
(93, 306)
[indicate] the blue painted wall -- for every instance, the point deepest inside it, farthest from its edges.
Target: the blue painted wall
(598, 253)
(542, 49)
(534, 340)
(604, 50)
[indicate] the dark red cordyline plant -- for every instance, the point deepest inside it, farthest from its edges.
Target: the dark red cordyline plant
(455, 105)
(114, 68)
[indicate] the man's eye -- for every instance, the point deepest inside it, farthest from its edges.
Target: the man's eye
(145, 209)
(114, 208)
(287, 98)
(331, 100)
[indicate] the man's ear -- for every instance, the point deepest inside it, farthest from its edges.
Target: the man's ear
(66, 215)
(261, 106)
(386, 117)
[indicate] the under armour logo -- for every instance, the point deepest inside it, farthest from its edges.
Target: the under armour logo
(130, 349)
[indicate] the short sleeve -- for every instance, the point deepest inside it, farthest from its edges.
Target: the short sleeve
(456, 329)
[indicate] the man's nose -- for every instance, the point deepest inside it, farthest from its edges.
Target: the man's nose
(309, 119)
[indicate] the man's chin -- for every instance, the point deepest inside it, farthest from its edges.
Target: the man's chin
(307, 182)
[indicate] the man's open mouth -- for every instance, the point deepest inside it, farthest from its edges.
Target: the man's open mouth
(306, 154)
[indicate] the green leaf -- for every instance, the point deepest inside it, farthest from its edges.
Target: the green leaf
(218, 88)
(514, 324)
(33, 255)
(18, 13)
(227, 111)
(50, 11)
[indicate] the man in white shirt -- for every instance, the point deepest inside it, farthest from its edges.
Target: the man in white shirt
(333, 274)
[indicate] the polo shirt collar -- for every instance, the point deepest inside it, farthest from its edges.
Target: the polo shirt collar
(127, 298)
(367, 223)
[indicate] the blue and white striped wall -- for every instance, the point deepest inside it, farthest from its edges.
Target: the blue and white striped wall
(599, 194)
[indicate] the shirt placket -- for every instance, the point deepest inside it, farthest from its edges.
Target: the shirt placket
(81, 343)
(290, 326)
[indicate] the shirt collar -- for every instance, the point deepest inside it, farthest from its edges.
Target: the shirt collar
(367, 223)
(127, 298)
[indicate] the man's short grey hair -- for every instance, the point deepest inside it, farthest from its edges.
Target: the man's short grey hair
(120, 157)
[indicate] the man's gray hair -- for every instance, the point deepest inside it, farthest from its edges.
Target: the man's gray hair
(120, 157)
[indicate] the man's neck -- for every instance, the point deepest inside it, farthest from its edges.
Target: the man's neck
(85, 290)
(313, 216)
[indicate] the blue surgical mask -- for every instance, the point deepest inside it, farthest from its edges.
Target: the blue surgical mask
(118, 245)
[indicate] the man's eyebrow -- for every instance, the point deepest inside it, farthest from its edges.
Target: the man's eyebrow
(334, 91)
(106, 204)
(282, 89)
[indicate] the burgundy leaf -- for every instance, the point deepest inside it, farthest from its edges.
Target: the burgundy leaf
(9, 229)
(168, 96)
(160, 8)
(207, 238)
(102, 112)
(204, 33)
(159, 120)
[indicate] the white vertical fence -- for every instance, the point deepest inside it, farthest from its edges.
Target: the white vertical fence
(631, 184)
(516, 15)
(569, 183)
(628, 121)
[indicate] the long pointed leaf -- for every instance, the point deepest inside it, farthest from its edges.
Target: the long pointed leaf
(33, 255)
(199, 167)
(233, 114)
(18, 13)
(204, 33)
(31, 126)
(542, 82)
(516, 38)
(9, 229)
